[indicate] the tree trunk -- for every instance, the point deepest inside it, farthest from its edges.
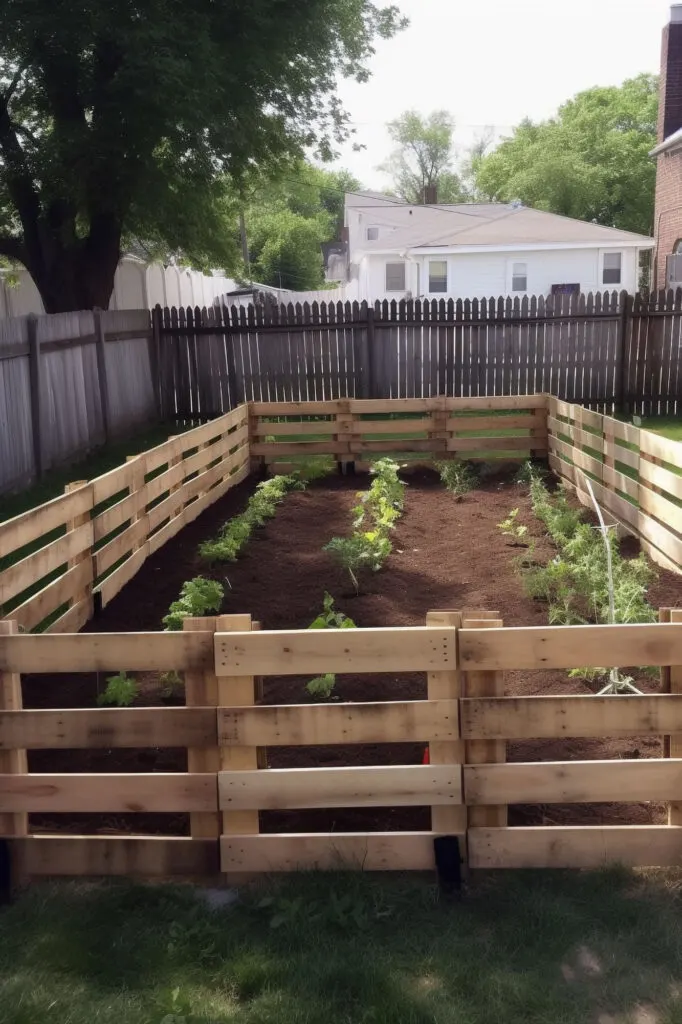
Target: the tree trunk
(78, 276)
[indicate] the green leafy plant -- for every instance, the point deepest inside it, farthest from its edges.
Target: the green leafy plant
(322, 687)
(171, 684)
(360, 551)
(315, 468)
(197, 597)
(458, 477)
(515, 532)
(530, 471)
(261, 506)
(121, 690)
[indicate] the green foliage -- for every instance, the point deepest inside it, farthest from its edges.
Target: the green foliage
(315, 468)
(330, 618)
(121, 691)
(458, 477)
(197, 597)
(172, 684)
(575, 583)
(530, 471)
(261, 506)
(423, 157)
(382, 504)
(513, 530)
(322, 687)
(591, 161)
(146, 120)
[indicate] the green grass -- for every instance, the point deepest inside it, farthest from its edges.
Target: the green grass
(97, 462)
(668, 426)
(534, 947)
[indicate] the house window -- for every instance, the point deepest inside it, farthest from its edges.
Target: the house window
(395, 277)
(519, 281)
(438, 276)
(612, 267)
(372, 234)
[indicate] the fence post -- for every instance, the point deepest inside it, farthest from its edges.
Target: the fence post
(622, 370)
(85, 556)
(201, 691)
(363, 340)
(155, 358)
(484, 684)
(237, 691)
(102, 374)
(671, 680)
(447, 686)
(35, 379)
(12, 762)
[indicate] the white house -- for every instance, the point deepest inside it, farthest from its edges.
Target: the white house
(397, 251)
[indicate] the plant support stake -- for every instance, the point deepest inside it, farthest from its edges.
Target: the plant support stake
(617, 683)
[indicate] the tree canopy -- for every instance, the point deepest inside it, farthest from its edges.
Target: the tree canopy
(129, 117)
(591, 161)
(423, 157)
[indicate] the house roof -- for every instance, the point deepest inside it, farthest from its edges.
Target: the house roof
(673, 142)
(482, 224)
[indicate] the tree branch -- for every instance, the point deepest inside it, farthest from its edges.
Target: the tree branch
(12, 87)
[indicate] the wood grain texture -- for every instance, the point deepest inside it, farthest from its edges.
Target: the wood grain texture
(372, 851)
(293, 652)
(13, 761)
(377, 786)
(141, 856)
(565, 846)
(124, 794)
(91, 728)
(484, 684)
(104, 652)
(326, 724)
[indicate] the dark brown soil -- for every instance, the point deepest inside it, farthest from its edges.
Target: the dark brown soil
(448, 553)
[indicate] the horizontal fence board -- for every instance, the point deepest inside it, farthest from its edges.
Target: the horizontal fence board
(526, 647)
(36, 522)
(301, 448)
(293, 652)
(377, 786)
(571, 782)
(518, 442)
(92, 856)
(116, 580)
(566, 846)
(660, 477)
(124, 794)
(476, 423)
(74, 619)
(36, 608)
(326, 724)
(36, 566)
(104, 652)
(108, 727)
(335, 851)
(516, 718)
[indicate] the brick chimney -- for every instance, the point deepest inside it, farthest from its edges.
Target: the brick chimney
(670, 108)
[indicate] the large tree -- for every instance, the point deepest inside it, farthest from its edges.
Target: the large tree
(423, 157)
(128, 116)
(287, 220)
(590, 161)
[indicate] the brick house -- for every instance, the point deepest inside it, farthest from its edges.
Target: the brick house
(668, 154)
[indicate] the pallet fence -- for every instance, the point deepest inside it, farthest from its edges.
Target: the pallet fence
(465, 719)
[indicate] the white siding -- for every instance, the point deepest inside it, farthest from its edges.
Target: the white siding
(474, 275)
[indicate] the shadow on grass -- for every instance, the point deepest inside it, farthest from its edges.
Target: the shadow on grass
(582, 948)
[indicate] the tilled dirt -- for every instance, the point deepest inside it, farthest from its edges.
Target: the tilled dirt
(448, 553)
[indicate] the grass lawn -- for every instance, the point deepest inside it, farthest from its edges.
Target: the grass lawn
(668, 426)
(533, 947)
(99, 461)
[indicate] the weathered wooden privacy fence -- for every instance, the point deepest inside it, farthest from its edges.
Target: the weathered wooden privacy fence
(465, 719)
(71, 381)
(605, 351)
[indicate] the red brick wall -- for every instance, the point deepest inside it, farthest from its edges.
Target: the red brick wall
(668, 216)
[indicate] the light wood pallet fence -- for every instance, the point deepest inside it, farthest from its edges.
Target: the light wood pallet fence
(87, 544)
(356, 430)
(224, 790)
(635, 475)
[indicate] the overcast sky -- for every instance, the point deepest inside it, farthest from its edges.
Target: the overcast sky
(494, 62)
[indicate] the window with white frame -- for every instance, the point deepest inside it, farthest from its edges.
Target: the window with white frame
(613, 268)
(372, 234)
(438, 275)
(519, 277)
(395, 277)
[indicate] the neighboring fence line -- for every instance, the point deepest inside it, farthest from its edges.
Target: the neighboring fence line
(466, 720)
(71, 381)
(605, 351)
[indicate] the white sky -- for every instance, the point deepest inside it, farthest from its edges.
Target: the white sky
(494, 62)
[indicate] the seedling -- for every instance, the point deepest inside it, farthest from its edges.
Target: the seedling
(515, 532)
(261, 506)
(121, 691)
(458, 477)
(322, 687)
(368, 550)
(198, 597)
(172, 684)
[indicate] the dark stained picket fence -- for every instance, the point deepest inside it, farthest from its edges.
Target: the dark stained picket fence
(606, 351)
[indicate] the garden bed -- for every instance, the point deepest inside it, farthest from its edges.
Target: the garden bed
(448, 553)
